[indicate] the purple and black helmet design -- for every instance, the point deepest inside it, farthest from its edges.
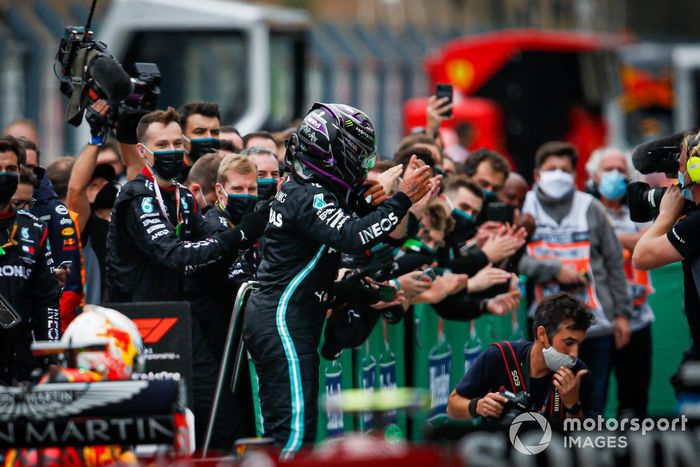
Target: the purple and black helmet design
(335, 142)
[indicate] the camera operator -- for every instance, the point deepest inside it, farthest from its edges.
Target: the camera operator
(673, 238)
(551, 380)
(311, 223)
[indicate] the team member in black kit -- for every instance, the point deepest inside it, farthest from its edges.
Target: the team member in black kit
(311, 223)
(27, 277)
(155, 233)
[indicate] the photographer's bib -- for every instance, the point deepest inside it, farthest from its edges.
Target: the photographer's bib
(638, 281)
(568, 243)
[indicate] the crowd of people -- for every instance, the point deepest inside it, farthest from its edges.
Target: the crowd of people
(186, 209)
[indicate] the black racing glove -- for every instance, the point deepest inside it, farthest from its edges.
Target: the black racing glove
(99, 126)
(355, 291)
(253, 224)
(393, 314)
(378, 262)
(247, 232)
(347, 328)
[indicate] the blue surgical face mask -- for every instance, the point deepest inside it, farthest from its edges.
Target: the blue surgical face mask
(685, 189)
(612, 185)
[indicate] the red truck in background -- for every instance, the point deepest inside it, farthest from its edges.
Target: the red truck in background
(521, 88)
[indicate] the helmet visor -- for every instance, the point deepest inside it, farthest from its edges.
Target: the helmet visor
(368, 159)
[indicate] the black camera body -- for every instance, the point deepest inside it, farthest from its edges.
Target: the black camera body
(643, 201)
(146, 87)
(516, 404)
(74, 38)
(88, 72)
(656, 156)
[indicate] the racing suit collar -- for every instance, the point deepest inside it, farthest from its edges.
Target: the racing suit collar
(147, 173)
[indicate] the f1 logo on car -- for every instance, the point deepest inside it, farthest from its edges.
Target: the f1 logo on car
(152, 330)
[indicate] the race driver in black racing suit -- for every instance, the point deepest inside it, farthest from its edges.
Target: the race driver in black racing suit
(310, 225)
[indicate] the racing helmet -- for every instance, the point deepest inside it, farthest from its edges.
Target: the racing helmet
(124, 350)
(335, 142)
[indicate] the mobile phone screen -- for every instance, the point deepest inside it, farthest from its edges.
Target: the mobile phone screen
(444, 90)
(499, 212)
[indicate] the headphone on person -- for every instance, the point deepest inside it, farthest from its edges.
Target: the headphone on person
(693, 164)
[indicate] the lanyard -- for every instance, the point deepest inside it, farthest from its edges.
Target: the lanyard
(11, 240)
(553, 401)
(164, 209)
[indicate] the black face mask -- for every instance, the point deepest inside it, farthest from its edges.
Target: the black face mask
(238, 205)
(267, 187)
(202, 146)
(168, 164)
(465, 227)
(8, 186)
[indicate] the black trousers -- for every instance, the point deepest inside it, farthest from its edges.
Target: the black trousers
(283, 343)
(632, 366)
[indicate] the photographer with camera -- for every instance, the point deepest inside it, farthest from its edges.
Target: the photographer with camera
(672, 237)
(573, 228)
(545, 376)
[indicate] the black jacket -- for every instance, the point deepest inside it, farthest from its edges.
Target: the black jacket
(147, 255)
(309, 227)
(211, 290)
(28, 282)
(63, 237)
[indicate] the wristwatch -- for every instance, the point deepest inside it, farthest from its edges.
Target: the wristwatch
(574, 409)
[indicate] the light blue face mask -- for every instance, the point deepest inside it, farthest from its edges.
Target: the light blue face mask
(685, 189)
(612, 185)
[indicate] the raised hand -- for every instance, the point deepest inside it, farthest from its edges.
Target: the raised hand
(504, 303)
(375, 193)
(390, 179)
(415, 183)
(419, 208)
(435, 114)
(487, 277)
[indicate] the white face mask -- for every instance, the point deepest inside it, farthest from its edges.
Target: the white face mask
(555, 359)
(556, 183)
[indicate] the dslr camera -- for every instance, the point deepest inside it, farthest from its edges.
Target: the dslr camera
(517, 404)
(88, 72)
(657, 156)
